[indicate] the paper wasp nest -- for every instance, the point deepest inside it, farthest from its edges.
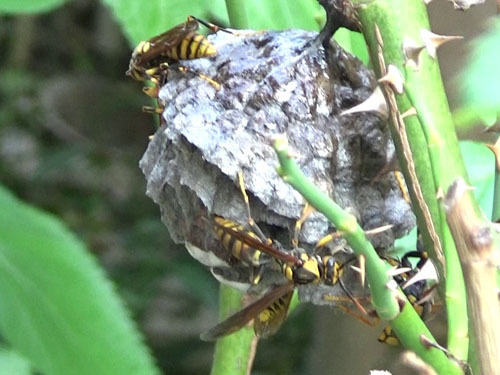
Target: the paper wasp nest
(270, 83)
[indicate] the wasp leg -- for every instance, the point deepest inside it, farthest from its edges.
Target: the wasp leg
(214, 28)
(256, 274)
(306, 212)
(364, 317)
(215, 84)
(250, 221)
(153, 110)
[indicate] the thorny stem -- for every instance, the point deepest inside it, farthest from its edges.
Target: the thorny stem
(432, 127)
(407, 324)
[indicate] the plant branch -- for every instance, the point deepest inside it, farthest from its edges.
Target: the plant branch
(386, 298)
(479, 250)
(234, 353)
(399, 32)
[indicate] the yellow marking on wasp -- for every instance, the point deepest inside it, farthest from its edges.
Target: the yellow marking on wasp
(387, 336)
(173, 53)
(311, 265)
(337, 272)
(194, 45)
(152, 71)
(226, 240)
(183, 48)
(256, 257)
(265, 315)
(238, 247)
(143, 47)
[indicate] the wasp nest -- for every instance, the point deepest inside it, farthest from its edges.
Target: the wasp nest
(271, 83)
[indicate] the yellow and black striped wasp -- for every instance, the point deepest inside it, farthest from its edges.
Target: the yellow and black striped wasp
(299, 268)
(151, 58)
(417, 292)
(270, 311)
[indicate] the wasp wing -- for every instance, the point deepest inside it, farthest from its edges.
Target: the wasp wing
(174, 35)
(236, 321)
(270, 320)
(258, 244)
(160, 45)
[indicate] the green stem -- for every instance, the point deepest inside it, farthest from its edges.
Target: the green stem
(495, 213)
(236, 9)
(400, 22)
(233, 353)
(406, 324)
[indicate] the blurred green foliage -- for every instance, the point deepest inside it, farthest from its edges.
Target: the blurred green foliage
(57, 307)
(29, 6)
(480, 78)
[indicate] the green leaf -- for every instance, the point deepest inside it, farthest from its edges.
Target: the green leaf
(13, 363)
(29, 6)
(56, 306)
(480, 79)
(143, 19)
(284, 14)
(480, 164)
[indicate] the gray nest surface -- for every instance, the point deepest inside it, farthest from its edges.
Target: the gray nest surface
(271, 83)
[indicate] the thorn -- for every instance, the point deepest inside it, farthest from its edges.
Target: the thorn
(440, 194)
(394, 78)
(392, 285)
(426, 272)
(431, 344)
(378, 230)
(412, 52)
(413, 361)
(374, 103)
(496, 151)
(362, 263)
(151, 137)
(293, 155)
(358, 270)
(434, 41)
(410, 112)
(398, 271)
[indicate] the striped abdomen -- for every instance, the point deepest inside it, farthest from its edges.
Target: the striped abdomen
(238, 248)
(192, 46)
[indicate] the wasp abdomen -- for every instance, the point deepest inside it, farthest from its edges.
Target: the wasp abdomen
(238, 248)
(192, 46)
